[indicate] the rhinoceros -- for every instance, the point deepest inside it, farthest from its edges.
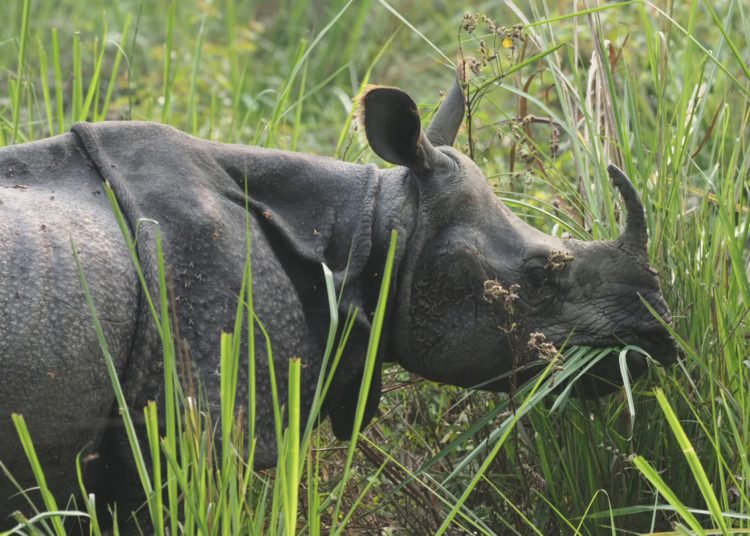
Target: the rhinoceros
(456, 242)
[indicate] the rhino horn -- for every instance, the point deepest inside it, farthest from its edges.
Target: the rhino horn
(448, 118)
(635, 236)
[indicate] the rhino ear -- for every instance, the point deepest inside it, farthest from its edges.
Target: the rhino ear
(393, 128)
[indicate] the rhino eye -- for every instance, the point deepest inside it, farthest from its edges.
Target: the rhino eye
(536, 275)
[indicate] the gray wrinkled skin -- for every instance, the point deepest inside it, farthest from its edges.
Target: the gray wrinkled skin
(51, 370)
(454, 235)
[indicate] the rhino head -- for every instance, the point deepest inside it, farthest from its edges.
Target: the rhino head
(475, 283)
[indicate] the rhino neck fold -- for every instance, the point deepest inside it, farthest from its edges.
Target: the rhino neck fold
(395, 209)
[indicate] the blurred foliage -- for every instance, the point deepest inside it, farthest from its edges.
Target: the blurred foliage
(284, 74)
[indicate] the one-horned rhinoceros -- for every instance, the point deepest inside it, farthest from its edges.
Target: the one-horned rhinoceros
(454, 236)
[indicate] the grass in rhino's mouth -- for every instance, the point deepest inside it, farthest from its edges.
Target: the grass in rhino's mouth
(589, 356)
(591, 352)
(548, 351)
(566, 365)
(563, 369)
(576, 361)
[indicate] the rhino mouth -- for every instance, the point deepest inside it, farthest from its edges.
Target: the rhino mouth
(605, 376)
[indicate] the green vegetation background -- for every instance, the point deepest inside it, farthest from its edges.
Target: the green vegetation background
(663, 88)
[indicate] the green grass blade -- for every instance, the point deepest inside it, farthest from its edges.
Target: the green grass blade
(370, 363)
(653, 476)
(28, 447)
(77, 97)
(152, 432)
(625, 375)
(732, 45)
(167, 78)
(59, 96)
(94, 84)
(19, 82)
(292, 451)
(89, 499)
(699, 474)
(122, 406)
(192, 107)
(45, 87)
(415, 30)
(112, 84)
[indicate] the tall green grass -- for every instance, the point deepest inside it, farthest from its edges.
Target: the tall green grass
(662, 88)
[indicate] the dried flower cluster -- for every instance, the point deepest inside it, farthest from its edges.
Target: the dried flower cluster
(486, 53)
(535, 481)
(474, 65)
(472, 20)
(557, 260)
(494, 292)
(547, 351)
(508, 38)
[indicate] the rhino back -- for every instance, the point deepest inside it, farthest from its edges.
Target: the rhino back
(51, 367)
(304, 211)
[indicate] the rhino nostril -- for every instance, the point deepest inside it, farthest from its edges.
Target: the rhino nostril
(660, 345)
(657, 303)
